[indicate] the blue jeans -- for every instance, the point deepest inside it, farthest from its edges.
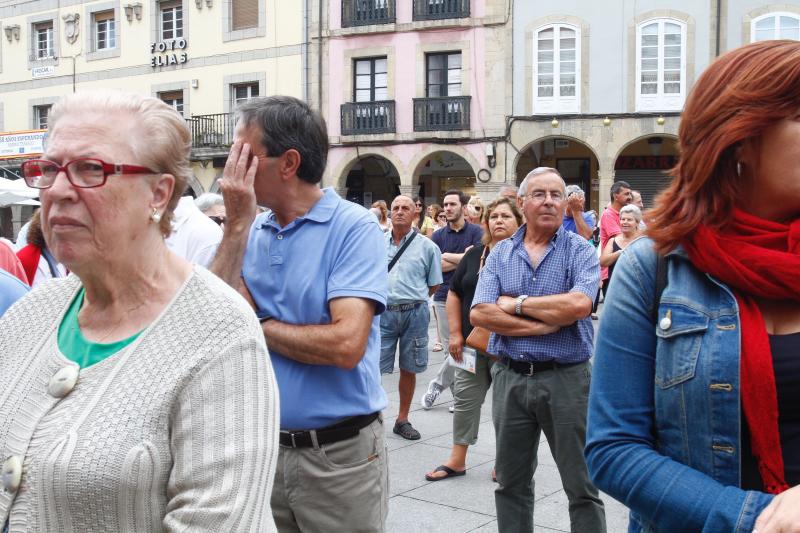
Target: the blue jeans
(410, 329)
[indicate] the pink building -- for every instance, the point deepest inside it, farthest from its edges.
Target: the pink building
(414, 92)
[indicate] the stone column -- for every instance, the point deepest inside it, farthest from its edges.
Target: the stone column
(408, 190)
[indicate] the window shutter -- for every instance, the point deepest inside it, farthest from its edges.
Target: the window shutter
(245, 14)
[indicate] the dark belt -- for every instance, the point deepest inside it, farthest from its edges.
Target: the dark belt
(345, 429)
(404, 307)
(530, 368)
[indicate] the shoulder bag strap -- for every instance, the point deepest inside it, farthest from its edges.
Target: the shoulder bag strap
(401, 250)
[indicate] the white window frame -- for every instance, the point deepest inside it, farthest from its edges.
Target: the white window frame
(50, 50)
(174, 6)
(660, 101)
(37, 117)
(546, 105)
(250, 95)
(176, 103)
(774, 14)
(110, 31)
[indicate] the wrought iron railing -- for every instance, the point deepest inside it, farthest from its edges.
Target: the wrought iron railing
(437, 114)
(363, 118)
(366, 12)
(212, 131)
(440, 9)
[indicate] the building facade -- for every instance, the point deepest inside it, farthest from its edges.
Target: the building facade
(598, 87)
(202, 57)
(414, 95)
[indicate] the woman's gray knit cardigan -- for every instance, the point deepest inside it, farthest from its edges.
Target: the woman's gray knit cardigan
(176, 432)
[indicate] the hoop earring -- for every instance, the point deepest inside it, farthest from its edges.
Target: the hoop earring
(155, 216)
(739, 169)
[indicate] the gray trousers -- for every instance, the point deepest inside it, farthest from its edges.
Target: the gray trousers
(342, 486)
(553, 401)
(444, 378)
(469, 392)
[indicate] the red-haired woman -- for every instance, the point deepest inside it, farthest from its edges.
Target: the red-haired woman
(694, 412)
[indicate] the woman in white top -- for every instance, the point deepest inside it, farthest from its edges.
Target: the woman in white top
(138, 394)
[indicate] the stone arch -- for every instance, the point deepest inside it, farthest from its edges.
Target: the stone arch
(215, 184)
(630, 142)
(525, 148)
(340, 173)
(370, 178)
(194, 187)
(644, 162)
(422, 157)
(576, 160)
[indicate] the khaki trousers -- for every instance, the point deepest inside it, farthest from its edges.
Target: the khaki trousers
(338, 487)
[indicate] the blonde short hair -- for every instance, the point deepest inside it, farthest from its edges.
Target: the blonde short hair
(168, 140)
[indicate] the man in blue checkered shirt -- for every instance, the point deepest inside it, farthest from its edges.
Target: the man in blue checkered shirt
(535, 294)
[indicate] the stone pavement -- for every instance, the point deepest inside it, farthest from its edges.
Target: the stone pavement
(463, 504)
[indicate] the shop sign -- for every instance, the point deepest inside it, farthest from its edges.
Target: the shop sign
(168, 52)
(645, 162)
(43, 72)
(22, 144)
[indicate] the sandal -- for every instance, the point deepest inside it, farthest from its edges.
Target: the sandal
(437, 347)
(447, 470)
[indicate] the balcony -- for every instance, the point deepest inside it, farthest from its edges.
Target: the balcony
(449, 113)
(212, 131)
(367, 12)
(440, 9)
(366, 118)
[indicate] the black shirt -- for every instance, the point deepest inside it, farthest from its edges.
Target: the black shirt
(463, 283)
(786, 364)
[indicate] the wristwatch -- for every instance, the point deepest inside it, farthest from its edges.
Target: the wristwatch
(518, 308)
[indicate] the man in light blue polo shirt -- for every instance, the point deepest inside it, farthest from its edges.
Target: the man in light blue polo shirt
(11, 290)
(310, 268)
(414, 275)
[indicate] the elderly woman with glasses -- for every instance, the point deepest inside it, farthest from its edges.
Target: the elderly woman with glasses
(138, 394)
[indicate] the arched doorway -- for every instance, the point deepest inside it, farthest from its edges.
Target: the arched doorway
(372, 178)
(574, 160)
(441, 171)
(644, 164)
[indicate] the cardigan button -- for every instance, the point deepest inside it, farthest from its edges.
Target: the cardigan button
(11, 473)
(62, 382)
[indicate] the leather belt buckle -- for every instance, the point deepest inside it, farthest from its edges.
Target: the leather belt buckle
(530, 371)
(289, 439)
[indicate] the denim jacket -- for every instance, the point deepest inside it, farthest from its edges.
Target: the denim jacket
(664, 411)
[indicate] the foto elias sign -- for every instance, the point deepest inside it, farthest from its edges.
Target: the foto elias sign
(168, 52)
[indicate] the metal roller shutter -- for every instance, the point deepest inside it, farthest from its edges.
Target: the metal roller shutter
(245, 14)
(647, 182)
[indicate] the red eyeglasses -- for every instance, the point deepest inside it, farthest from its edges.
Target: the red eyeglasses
(85, 172)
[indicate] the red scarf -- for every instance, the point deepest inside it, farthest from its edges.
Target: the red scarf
(29, 257)
(759, 258)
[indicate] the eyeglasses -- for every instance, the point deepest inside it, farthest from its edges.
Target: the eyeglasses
(540, 196)
(218, 220)
(84, 173)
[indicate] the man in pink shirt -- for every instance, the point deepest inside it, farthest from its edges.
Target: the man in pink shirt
(609, 221)
(10, 262)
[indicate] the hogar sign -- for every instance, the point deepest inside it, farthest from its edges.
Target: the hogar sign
(171, 50)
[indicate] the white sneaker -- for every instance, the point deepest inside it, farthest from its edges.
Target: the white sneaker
(430, 396)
